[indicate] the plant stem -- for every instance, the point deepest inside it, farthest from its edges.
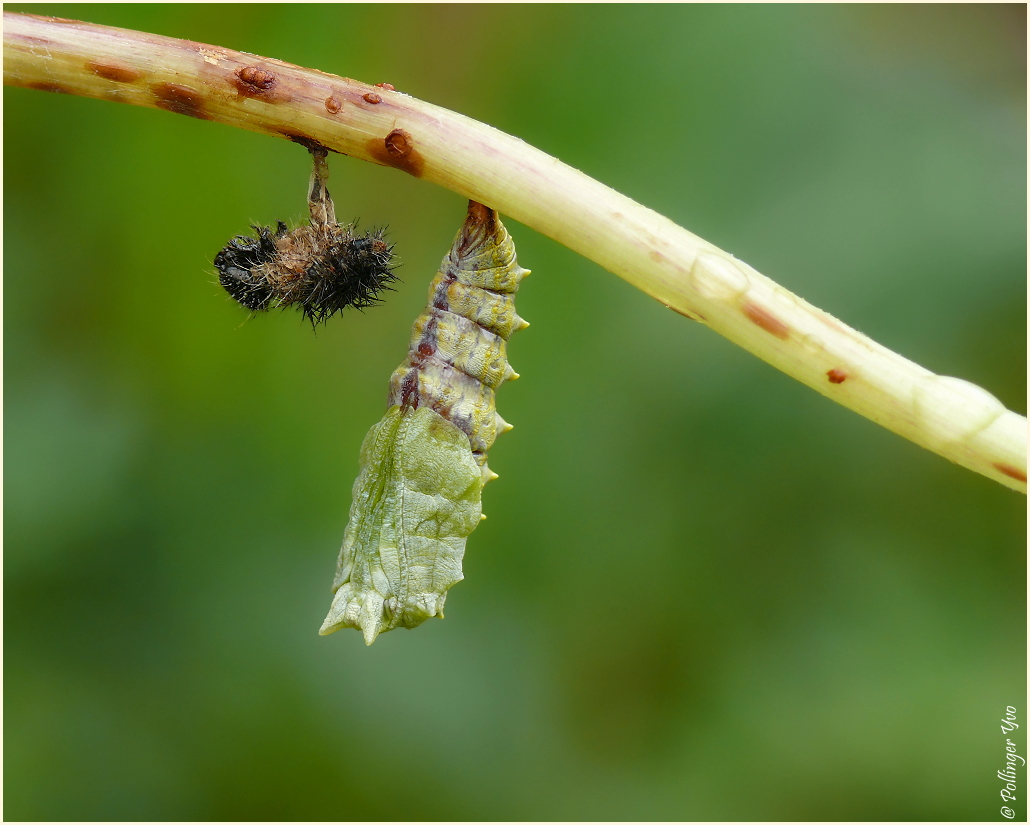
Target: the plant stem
(949, 416)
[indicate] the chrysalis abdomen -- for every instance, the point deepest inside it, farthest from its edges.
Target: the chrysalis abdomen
(423, 466)
(458, 354)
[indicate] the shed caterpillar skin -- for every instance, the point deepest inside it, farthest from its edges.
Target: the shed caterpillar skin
(423, 466)
(322, 268)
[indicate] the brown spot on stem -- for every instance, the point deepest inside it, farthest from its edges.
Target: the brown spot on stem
(1011, 472)
(372, 97)
(252, 81)
(43, 86)
(179, 99)
(389, 87)
(333, 105)
(118, 72)
(655, 255)
(397, 149)
(837, 376)
(766, 320)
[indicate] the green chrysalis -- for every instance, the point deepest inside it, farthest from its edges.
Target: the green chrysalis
(423, 466)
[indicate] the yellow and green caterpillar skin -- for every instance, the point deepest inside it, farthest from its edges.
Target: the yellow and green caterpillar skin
(423, 466)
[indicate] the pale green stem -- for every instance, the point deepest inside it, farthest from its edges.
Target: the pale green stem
(949, 416)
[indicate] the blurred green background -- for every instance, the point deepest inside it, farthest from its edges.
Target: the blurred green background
(703, 592)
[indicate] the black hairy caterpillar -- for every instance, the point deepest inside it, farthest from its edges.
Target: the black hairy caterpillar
(322, 268)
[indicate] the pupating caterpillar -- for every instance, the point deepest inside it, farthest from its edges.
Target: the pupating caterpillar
(423, 466)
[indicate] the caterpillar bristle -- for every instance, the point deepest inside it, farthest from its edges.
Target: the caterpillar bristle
(321, 268)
